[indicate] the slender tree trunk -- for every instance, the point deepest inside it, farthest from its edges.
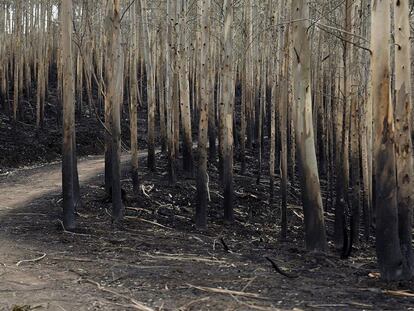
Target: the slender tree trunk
(17, 59)
(133, 103)
(404, 156)
(185, 91)
(114, 95)
(283, 105)
(171, 89)
(315, 234)
(228, 104)
(387, 239)
(202, 177)
(147, 38)
(249, 77)
(355, 151)
(68, 169)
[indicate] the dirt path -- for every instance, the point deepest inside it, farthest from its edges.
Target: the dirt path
(30, 283)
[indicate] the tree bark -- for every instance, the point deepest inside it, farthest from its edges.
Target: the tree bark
(403, 112)
(185, 91)
(202, 177)
(228, 104)
(133, 102)
(68, 169)
(387, 240)
(315, 234)
(114, 96)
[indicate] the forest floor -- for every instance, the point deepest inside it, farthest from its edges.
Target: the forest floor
(158, 261)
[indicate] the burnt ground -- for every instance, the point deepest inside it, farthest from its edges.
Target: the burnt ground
(158, 261)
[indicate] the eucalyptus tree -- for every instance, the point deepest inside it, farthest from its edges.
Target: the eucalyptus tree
(202, 176)
(68, 151)
(315, 235)
(389, 254)
(183, 67)
(403, 148)
(114, 79)
(150, 74)
(228, 107)
(133, 93)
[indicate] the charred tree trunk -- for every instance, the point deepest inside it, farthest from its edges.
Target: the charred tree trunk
(228, 104)
(202, 177)
(387, 239)
(68, 163)
(403, 112)
(315, 234)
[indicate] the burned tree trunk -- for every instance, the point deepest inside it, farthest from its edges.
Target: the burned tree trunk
(404, 156)
(68, 162)
(228, 106)
(202, 177)
(114, 98)
(315, 234)
(387, 239)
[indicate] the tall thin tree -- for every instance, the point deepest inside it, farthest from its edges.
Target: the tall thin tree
(387, 240)
(315, 234)
(68, 167)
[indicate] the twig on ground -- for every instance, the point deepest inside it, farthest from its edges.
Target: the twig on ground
(360, 305)
(146, 189)
(70, 232)
(227, 292)
(251, 306)
(31, 260)
(135, 304)
(280, 271)
(72, 259)
(208, 188)
(226, 248)
(399, 293)
(217, 194)
(249, 283)
(137, 209)
(328, 305)
(147, 221)
(298, 215)
(187, 305)
(185, 258)
(197, 238)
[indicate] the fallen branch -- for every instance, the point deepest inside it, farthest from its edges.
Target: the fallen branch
(184, 258)
(298, 215)
(227, 292)
(72, 259)
(251, 306)
(147, 221)
(226, 248)
(399, 293)
(136, 209)
(249, 283)
(147, 189)
(280, 271)
(70, 232)
(328, 305)
(187, 305)
(135, 304)
(208, 188)
(31, 260)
